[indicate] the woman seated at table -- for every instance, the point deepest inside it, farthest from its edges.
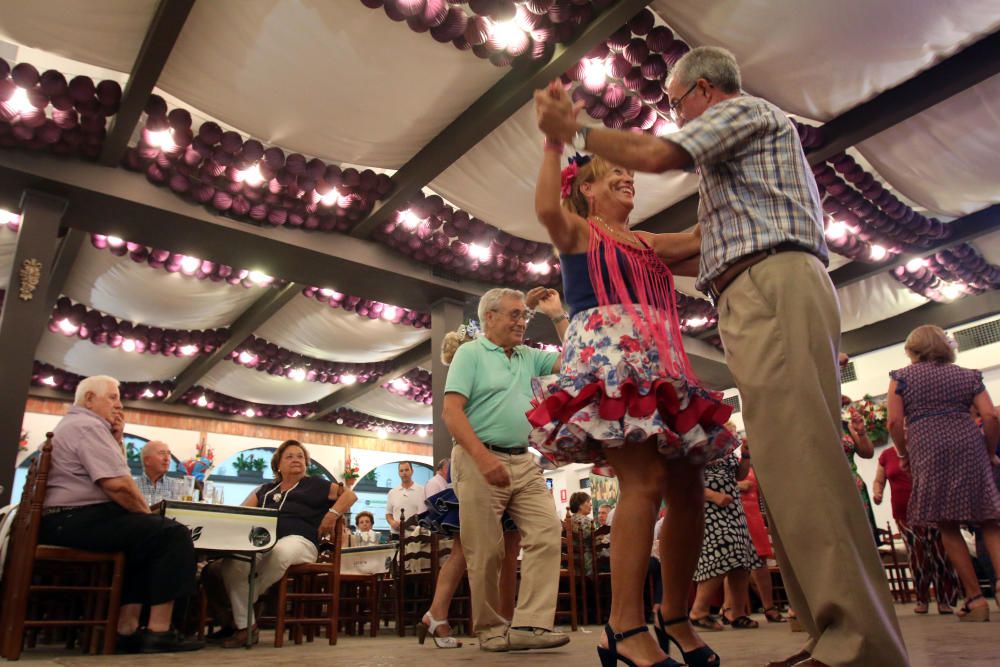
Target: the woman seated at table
(308, 509)
(366, 535)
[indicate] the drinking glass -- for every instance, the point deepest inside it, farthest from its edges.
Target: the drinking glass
(208, 492)
(188, 488)
(174, 488)
(219, 496)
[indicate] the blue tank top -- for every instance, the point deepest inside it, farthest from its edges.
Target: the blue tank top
(579, 293)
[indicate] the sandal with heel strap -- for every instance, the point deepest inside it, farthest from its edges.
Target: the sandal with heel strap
(703, 656)
(609, 656)
(429, 625)
(741, 623)
(974, 614)
(773, 615)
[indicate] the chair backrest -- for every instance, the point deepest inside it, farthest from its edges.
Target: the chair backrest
(600, 549)
(413, 546)
(24, 540)
(567, 554)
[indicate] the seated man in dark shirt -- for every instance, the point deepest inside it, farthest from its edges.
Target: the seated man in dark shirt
(93, 503)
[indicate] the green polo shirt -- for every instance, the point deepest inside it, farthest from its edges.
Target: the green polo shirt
(498, 388)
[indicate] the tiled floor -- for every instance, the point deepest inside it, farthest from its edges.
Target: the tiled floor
(932, 640)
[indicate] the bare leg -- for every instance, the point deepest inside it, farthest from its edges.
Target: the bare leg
(159, 616)
(128, 618)
(641, 478)
(508, 574)
(680, 545)
(737, 593)
(449, 577)
(958, 554)
(991, 536)
(707, 591)
(762, 579)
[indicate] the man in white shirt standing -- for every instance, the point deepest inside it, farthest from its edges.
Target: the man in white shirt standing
(405, 500)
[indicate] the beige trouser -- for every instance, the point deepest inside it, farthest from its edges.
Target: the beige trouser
(780, 324)
(528, 501)
(271, 566)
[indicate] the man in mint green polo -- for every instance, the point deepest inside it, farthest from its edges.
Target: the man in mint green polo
(487, 394)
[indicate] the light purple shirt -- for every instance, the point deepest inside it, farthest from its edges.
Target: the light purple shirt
(83, 452)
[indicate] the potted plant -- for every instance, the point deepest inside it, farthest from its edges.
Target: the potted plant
(350, 472)
(875, 415)
(248, 465)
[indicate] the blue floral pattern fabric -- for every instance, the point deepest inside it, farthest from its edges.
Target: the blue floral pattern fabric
(611, 391)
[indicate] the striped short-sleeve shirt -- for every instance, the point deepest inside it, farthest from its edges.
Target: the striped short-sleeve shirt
(756, 189)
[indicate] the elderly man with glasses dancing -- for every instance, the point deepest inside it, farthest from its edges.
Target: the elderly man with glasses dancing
(762, 260)
(487, 394)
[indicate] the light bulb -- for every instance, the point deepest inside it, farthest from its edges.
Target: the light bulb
(408, 219)
(916, 264)
(163, 139)
(400, 384)
(951, 291)
(696, 322)
(595, 73)
(479, 252)
(49, 380)
(836, 230)
(202, 401)
(115, 241)
(390, 313)
(348, 379)
(877, 252)
(67, 327)
(19, 101)
(148, 393)
(249, 412)
(541, 268)
(340, 420)
(382, 433)
(251, 175)
(128, 345)
(330, 198)
(422, 432)
(259, 278)
(297, 374)
(505, 33)
(247, 357)
(189, 350)
(190, 264)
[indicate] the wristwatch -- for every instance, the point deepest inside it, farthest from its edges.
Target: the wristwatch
(559, 318)
(579, 141)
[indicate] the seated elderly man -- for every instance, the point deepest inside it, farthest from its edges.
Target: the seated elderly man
(155, 463)
(93, 503)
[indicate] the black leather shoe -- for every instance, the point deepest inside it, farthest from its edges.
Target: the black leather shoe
(128, 643)
(167, 642)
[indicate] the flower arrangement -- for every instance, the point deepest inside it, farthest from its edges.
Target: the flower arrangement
(22, 443)
(351, 471)
(876, 417)
(201, 463)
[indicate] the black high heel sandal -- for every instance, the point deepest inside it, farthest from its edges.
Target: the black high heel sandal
(609, 656)
(703, 656)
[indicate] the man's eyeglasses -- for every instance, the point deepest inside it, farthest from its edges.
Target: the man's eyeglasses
(676, 104)
(518, 315)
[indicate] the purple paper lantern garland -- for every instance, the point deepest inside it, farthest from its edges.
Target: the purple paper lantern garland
(77, 320)
(434, 233)
(245, 180)
(370, 309)
(46, 375)
(416, 386)
(45, 112)
(950, 274)
(266, 357)
(690, 309)
(359, 420)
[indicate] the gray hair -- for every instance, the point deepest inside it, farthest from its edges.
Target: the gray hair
(712, 63)
(149, 445)
(93, 385)
(491, 301)
(440, 465)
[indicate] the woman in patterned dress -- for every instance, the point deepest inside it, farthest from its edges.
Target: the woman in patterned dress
(626, 399)
(727, 552)
(950, 458)
(856, 442)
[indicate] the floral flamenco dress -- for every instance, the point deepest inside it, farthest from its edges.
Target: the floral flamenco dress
(625, 377)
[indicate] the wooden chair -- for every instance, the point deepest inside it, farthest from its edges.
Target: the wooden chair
(584, 544)
(46, 587)
(359, 600)
(462, 599)
(601, 576)
(308, 597)
(897, 569)
(566, 600)
(414, 585)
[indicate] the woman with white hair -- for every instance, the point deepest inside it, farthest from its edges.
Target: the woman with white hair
(950, 458)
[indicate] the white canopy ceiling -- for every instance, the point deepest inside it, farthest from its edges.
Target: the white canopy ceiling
(85, 358)
(386, 405)
(258, 387)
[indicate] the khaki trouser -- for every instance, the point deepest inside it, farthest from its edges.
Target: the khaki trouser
(528, 501)
(780, 324)
(271, 566)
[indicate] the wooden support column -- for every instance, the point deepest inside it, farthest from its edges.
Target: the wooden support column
(446, 315)
(22, 321)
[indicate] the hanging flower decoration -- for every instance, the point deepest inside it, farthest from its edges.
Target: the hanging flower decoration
(201, 463)
(266, 357)
(415, 385)
(246, 180)
(45, 112)
(77, 320)
(185, 265)
(370, 309)
(359, 420)
(876, 417)
(949, 274)
(432, 232)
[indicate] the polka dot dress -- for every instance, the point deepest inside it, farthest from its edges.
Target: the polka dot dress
(951, 469)
(727, 545)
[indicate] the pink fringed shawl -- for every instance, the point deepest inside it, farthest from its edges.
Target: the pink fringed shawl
(652, 284)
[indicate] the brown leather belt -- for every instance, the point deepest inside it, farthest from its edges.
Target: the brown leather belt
(736, 269)
(513, 451)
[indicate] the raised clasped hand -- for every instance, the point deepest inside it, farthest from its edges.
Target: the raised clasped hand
(556, 112)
